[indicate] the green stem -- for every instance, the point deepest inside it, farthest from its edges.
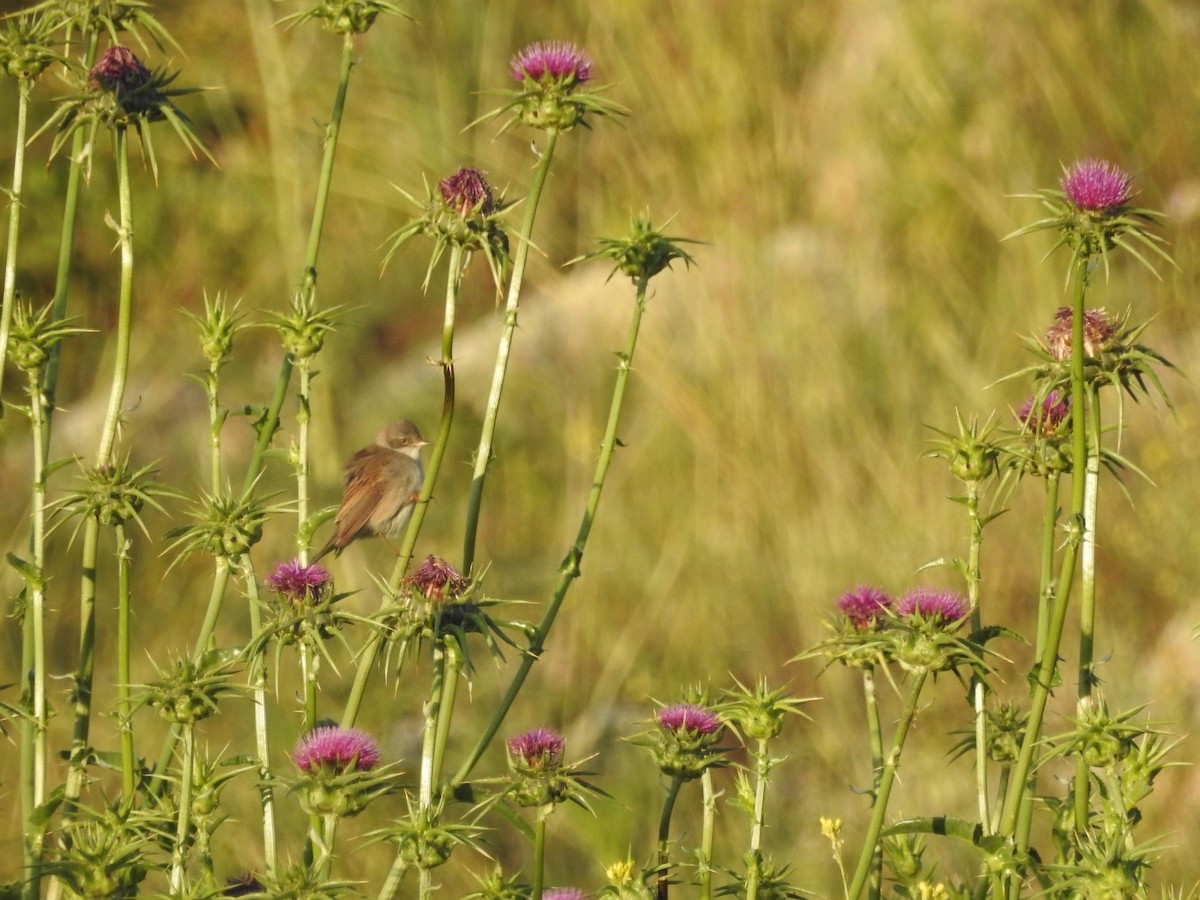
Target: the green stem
(436, 456)
(429, 740)
(887, 779)
(664, 836)
(762, 771)
(25, 86)
(539, 853)
(179, 853)
(1048, 662)
(66, 244)
(1087, 600)
(212, 387)
(454, 664)
(875, 738)
(570, 567)
(262, 746)
(124, 679)
(707, 835)
(303, 419)
(483, 455)
(116, 397)
(308, 675)
(978, 688)
(1046, 580)
(395, 877)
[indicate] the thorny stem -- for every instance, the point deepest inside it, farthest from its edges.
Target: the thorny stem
(539, 851)
(978, 688)
(124, 680)
(262, 747)
(14, 225)
(707, 835)
(1087, 598)
(886, 780)
(187, 765)
(570, 568)
(483, 455)
(875, 737)
(1048, 662)
(762, 771)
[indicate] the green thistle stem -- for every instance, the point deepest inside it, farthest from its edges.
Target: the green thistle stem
(762, 771)
(664, 836)
(179, 852)
(258, 692)
(454, 663)
(883, 793)
(539, 851)
(66, 244)
(432, 709)
(87, 598)
(483, 456)
(978, 688)
(124, 678)
(570, 567)
(1087, 598)
(1048, 662)
(367, 658)
(303, 420)
(395, 877)
(1046, 580)
(33, 731)
(14, 224)
(875, 739)
(308, 675)
(707, 835)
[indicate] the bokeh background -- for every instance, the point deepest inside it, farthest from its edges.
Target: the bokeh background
(851, 167)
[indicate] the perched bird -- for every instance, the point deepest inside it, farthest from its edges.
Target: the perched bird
(381, 485)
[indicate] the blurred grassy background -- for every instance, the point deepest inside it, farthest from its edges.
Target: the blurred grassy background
(851, 166)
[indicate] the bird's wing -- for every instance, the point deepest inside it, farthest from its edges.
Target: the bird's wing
(365, 482)
(403, 477)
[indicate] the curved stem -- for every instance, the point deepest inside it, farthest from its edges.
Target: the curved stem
(436, 456)
(886, 780)
(570, 568)
(483, 455)
(664, 836)
(116, 395)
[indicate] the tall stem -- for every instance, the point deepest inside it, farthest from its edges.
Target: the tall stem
(1048, 662)
(886, 780)
(186, 774)
(664, 836)
(262, 746)
(570, 569)
(762, 770)
(436, 456)
(1087, 599)
(124, 679)
(707, 835)
(14, 225)
(483, 455)
(875, 738)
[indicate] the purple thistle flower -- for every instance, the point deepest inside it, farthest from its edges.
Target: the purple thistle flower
(118, 70)
(538, 749)
(932, 604)
(467, 190)
(1094, 184)
(562, 893)
(865, 606)
(690, 718)
(1054, 411)
(1099, 332)
(298, 583)
(548, 61)
(329, 746)
(436, 579)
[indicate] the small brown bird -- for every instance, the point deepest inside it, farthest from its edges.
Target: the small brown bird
(381, 485)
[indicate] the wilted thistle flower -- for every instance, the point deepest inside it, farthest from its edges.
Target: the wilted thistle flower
(932, 605)
(436, 579)
(1044, 418)
(866, 608)
(467, 191)
(337, 750)
(1096, 185)
(538, 750)
(1099, 333)
(118, 71)
(559, 63)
